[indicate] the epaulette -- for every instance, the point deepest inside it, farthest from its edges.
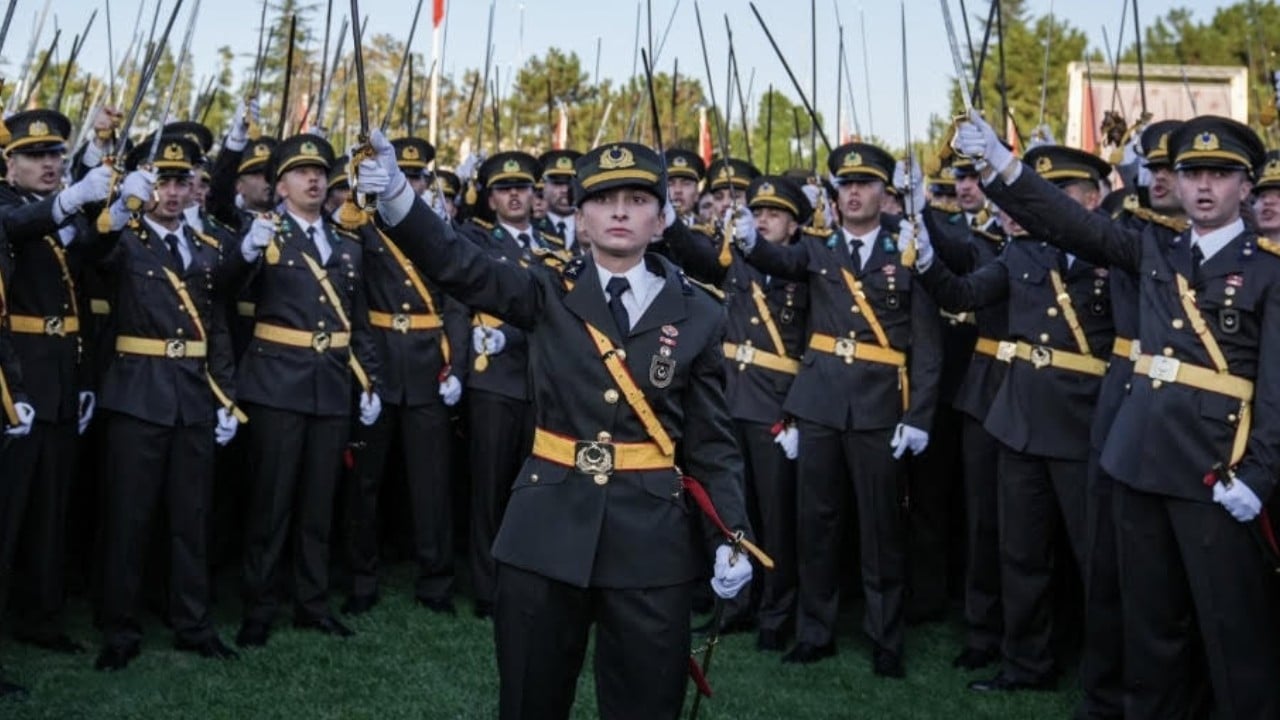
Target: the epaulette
(818, 232)
(553, 239)
(206, 239)
(689, 283)
(552, 255)
(482, 223)
(947, 207)
(1151, 216)
(708, 230)
(993, 237)
(1266, 244)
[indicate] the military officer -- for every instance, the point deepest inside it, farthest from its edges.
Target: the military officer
(447, 184)
(499, 413)
(338, 189)
(598, 530)
(1193, 447)
(728, 180)
(685, 171)
(47, 240)
(863, 397)
(311, 341)
(169, 392)
(239, 187)
(557, 177)
(414, 156)
(1266, 198)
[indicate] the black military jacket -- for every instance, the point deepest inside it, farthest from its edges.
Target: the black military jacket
(638, 529)
(286, 294)
(1166, 437)
(169, 391)
(9, 365)
(861, 395)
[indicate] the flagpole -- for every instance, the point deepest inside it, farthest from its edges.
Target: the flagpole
(437, 22)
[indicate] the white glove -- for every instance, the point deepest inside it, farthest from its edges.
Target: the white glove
(906, 438)
(319, 130)
(1132, 150)
(912, 185)
(26, 416)
(88, 402)
(1238, 499)
(813, 192)
(487, 340)
(371, 178)
(238, 135)
(370, 408)
(668, 215)
(451, 390)
(93, 187)
(435, 201)
(1042, 135)
(1144, 177)
(226, 428)
(789, 441)
(975, 138)
(744, 223)
(470, 164)
(730, 577)
(393, 202)
(138, 184)
(924, 246)
(258, 237)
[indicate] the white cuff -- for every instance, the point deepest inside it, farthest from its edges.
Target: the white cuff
(92, 156)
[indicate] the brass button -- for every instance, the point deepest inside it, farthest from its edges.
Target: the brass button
(1229, 290)
(601, 479)
(320, 324)
(322, 299)
(1155, 384)
(1177, 323)
(1025, 276)
(603, 436)
(408, 283)
(533, 478)
(855, 309)
(755, 321)
(179, 331)
(823, 271)
(405, 306)
(1231, 418)
(1168, 352)
(1044, 337)
(1228, 302)
(611, 396)
(1052, 312)
(621, 353)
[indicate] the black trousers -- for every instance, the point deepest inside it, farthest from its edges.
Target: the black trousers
(771, 503)
(984, 621)
(37, 471)
(425, 437)
(936, 486)
(540, 632)
(152, 469)
(1037, 497)
(1102, 665)
(1186, 565)
(830, 461)
(295, 461)
(501, 435)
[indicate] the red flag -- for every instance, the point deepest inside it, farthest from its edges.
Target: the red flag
(1089, 133)
(437, 13)
(704, 137)
(1011, 133)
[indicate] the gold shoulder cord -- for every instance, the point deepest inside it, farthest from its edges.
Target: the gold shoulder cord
(767, 317)
(1188, 298)
(323, 278)
(1068, 311)
(181, 289)
(412, 273)
(859, 297)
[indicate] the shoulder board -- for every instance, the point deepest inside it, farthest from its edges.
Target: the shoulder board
(482, 223)
(348, 233)
(1266, 244)
(709, 230)
(1151, 216)
(711, 290)
(551, 256)
(553, 239)
(818, 232)
(994, 237)
(206, 239)
(947, 207)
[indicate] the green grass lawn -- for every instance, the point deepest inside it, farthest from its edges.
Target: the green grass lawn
(406, 662)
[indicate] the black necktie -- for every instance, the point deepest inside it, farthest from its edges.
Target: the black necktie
(172, 241)
(1197, 257)
(855, 252)
(311, 233)
(524, 240)
(615, 287)
(560, 228)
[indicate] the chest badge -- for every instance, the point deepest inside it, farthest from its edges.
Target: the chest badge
(662, 370)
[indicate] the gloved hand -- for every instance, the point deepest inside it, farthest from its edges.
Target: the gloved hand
(371, 178)
(138, 184)
(226, 427)
(1132, 150)
(730, 577)
(1238, 499)
(668, 215)
(93, 187)
(744, 223)
(258, 237)
(906, 438)
(789, 440)
(435, 201)
(394, 203)
(975, 138)
(238, 134)
(1042, 135)
(88, 402)
(470, 164)
(487, 340)
(451, 390)
(26, 417)
(813, 192)
(910, 185)
(924, 246)
(370, 408)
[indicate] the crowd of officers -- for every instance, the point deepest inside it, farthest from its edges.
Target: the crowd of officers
(1005, 379)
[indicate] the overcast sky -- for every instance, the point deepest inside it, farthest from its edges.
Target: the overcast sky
(522, 29)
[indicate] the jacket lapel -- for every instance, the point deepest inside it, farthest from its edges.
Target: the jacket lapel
(668, 307)
(1227, 260)
(587, 301)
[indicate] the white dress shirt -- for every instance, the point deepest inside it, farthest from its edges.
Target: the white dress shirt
(644, 288)
(868, 244)
(567, 233)
(321, 237)
(160, 232)
(1210, 243)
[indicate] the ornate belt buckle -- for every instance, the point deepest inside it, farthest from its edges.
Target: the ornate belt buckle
(54, 326)
(400, 323)
(320, 341)
(175, 349)
(1041, 357)
(1164, 368)
(845, 348)
(1006, 351)
(745, 354)
(595, 458)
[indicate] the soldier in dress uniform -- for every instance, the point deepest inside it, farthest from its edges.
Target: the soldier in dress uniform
(447, 184)
(168, 389)
(414, 156)
(338, 189)
(599, 530)
(1266, 198)
(239, 187)
(728, 180)
(864, 396)
(312, 353)
(1060, 336)
(1194, 446)
(966, 237)
(685, 171)
(419, 332)
(557, 177)
(499, 413)
(47, 238)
